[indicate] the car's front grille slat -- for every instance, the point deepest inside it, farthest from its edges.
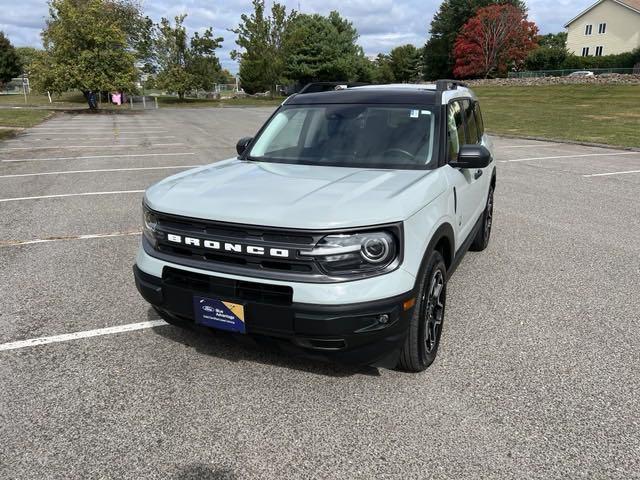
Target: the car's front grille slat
(262, 238)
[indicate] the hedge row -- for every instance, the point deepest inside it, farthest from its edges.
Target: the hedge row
(557, 59)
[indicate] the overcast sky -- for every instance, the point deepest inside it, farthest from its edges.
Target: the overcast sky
(382, 24)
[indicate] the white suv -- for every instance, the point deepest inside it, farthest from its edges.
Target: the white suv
(334, 230)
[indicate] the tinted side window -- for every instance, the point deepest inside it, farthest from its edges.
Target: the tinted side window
(472, 128)
(455, 129)
(479, 121)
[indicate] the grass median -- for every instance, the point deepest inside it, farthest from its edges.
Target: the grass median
(608, 114)
(11, 120)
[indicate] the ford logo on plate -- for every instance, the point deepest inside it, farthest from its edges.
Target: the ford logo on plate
(208, 308)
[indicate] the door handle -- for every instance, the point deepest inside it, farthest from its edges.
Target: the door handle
(478, 174)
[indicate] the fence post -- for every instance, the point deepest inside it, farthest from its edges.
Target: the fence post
(144, 103)
(24, 88)
(131, 101)
(156, 99)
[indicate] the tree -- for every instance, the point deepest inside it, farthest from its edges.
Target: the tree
(404, 62)
(383, 70)
(499, 37)
(553, 40)
(551, 53)
(202, 61)
(225, 76)
(319, 48)
(27, 56)
(185, 64)
(438, 60)
(10, 65)
(89, 47)
(260, 42)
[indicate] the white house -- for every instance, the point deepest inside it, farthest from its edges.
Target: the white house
(605, 28)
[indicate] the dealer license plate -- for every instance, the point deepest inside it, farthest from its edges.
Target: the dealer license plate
(219, 314)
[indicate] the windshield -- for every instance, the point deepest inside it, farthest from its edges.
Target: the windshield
(375, 136)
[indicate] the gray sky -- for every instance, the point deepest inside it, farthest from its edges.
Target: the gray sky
(382, 24)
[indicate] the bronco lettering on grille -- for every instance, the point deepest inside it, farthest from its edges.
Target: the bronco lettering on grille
(228, 247)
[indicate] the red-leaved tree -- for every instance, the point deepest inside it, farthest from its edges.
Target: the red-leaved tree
(499, 37)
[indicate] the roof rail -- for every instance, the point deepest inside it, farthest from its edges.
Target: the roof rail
(445, 84)
(315, 87)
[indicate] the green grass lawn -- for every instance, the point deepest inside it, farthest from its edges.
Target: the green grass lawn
(66, 100)
(607, 114)
(10, 117)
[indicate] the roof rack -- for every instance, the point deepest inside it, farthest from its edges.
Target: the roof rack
(315, 87)
(445, 84)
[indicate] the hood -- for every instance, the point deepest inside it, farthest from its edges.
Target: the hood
(295, 196)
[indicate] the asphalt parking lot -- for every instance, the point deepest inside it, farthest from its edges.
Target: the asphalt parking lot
(537, 375)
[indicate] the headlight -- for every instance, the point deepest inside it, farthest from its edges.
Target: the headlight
(355, 253)
(149, 224)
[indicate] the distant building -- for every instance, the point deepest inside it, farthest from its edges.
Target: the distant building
(605, 28)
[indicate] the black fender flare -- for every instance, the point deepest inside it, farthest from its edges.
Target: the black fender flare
(444, 231)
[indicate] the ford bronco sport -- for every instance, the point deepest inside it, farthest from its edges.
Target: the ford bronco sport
(334, 230)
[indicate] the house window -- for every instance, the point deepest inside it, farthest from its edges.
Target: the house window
(588, 30)
(602, 28)
(599, 51)
(585, 51)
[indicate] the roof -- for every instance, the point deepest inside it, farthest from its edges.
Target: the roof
(401, 94)
(633, 5)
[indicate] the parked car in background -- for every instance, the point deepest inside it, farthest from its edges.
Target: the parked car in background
(582, 73)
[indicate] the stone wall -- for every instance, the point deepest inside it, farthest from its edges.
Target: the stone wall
(604, 79)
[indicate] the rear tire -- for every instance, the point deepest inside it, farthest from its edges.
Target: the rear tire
(425, 327)
(484, 233)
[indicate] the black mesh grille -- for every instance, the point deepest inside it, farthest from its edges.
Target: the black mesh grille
(227, 287)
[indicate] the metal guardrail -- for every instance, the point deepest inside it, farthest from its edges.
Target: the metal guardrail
(565, 72)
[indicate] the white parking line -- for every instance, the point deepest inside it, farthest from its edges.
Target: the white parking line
(93, 132)
(76, 129)
(611, 173)
(89, 157)
(604, 154)
(63, 195)
(17, 140)
(525, 146)
(106, 122)
(15, 243)
(84, 334)
(92, 146)
(163, 137)
(100, 170)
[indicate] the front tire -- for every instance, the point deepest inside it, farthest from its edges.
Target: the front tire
(484, 233)
(425, 328)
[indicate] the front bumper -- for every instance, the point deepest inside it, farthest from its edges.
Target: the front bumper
(352, 333)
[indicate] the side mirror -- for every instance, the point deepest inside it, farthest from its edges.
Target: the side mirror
(472, 156)
(242, 144)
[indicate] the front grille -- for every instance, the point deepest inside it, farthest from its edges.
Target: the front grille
(293, 266)
(227, 287)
